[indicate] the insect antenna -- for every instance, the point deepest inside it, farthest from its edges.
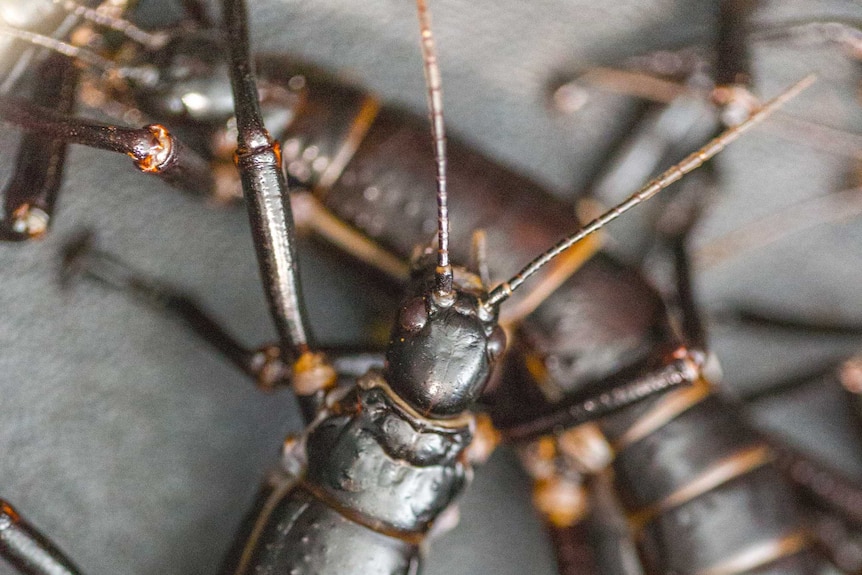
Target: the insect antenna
(433, 83)
(149, 40)
(673, 174)
(845, 33)
(145, 75)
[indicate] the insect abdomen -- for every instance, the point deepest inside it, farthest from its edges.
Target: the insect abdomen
(701, 493)
(301, 535)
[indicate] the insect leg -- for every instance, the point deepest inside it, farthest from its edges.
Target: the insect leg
(80, 258)
(32, 192)
(832, 500)
(608, 396)
(732, 74)
(823, 487)
(654, 142)
(310, 214)
(264, 364)
(258, 158)
(778, 320)
(681, 215)
(153, 148)
(28, 550)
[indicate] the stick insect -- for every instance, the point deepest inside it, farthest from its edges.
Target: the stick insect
(422, 399)
(176, 220)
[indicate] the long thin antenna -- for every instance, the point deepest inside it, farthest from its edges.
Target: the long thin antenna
(145, 75)
(152, 41)
(64, 48)
(689, 164)
(438, 132)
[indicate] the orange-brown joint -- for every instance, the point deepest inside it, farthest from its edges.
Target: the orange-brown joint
(160, 153)
(312, 372)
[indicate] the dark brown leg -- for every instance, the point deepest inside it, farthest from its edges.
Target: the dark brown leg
(823, 487)
(81, 259)
(26, 549)
(607, 396)
(31, 194)
(785, 322)
(258, 158)
(732, 76)
(264, 365)
(680, 217)
(778, 388)
(153, 148)
(834, 504)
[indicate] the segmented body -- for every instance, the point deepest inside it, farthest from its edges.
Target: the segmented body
(376, 477)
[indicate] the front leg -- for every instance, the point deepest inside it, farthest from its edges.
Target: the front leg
(258, 158)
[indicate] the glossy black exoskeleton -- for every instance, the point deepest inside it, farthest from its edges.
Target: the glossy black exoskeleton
(385, 458)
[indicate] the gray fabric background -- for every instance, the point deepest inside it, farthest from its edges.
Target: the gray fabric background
(138, 449)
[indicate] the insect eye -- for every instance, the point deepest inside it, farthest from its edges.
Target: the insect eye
(496, 343)
(414, 315)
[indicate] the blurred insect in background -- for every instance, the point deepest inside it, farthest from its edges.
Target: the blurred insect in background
(821, 486)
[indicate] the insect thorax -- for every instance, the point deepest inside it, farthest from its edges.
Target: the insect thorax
(394, 470)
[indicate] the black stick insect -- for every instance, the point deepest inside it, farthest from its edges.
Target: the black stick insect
(411, 422)
(624, 315)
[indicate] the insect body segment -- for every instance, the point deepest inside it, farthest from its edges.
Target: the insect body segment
(366, 457)
(725, 475)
